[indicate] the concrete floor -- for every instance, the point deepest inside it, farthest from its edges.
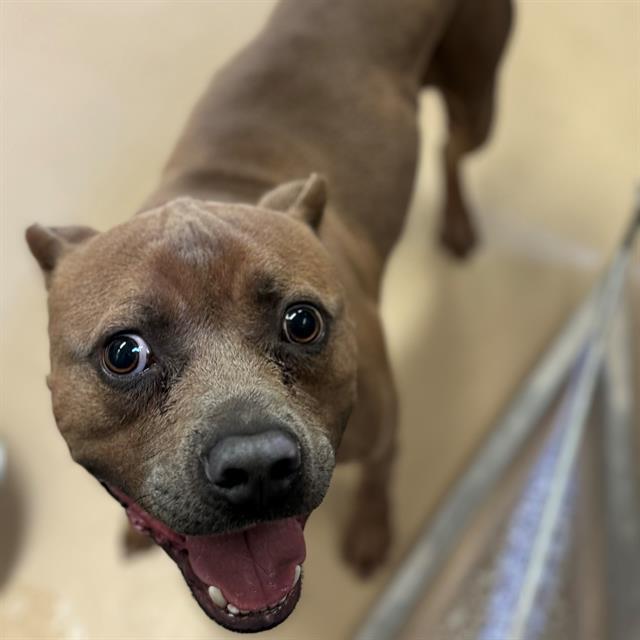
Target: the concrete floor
(93, 96)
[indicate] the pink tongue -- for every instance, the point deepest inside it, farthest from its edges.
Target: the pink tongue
(254, 568)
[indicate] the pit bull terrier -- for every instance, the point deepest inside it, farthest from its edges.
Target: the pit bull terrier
(215, 355)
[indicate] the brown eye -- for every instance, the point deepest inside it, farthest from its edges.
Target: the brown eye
(302, 324)
(126, 354)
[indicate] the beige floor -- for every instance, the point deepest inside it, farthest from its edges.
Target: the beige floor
(94, 93)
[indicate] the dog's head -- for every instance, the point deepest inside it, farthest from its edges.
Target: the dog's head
(203, 368)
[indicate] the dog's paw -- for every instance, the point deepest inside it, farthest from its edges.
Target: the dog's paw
(366, 545)
(458, 237)
(134, 542)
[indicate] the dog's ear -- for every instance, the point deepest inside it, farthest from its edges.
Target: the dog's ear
(49, 244)
(303, 199)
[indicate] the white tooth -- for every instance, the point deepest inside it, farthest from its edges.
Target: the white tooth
(234, 610)
(245, 611)
(296, 575)
(216, 595)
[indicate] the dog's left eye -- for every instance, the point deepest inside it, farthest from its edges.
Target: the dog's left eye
(303, 324)
(126, 354)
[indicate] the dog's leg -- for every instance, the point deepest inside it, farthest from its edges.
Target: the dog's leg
(368, 533)
(371, 438)
(464, 68)
(468, 129)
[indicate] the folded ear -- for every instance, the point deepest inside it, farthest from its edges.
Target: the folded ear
(49, 244)
(303, 199)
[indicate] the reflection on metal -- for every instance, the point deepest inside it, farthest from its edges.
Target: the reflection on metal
(514, 562)
(528, 606)
(584, 334)
(621, 485)
(439, 537)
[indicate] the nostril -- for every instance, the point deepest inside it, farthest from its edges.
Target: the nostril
(284, 468)
(231, 478)
(253, 468)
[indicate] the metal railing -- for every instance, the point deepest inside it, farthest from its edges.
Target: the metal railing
(586, 353)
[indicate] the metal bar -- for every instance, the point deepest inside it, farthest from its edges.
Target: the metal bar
(515, 553)
(622, 502)
(577, 404)
(440, 535)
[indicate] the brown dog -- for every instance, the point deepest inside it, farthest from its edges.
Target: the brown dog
(206, 356)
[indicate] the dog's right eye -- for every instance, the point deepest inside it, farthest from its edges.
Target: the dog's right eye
(126, 354)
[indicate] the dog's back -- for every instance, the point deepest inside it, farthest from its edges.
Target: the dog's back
(329, 87)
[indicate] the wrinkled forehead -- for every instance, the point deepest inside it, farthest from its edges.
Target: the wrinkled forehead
(189, 253)
(216, 235)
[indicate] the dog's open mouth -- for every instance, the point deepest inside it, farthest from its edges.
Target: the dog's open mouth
(247, 580)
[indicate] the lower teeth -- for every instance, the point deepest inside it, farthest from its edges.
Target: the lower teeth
(216, 596)
(219, 600)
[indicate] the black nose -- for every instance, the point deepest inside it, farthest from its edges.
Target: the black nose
(257, 469)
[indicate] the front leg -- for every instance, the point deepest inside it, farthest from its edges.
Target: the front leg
(368, 534)
(370, 438)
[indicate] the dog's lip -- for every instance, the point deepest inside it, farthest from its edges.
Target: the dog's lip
(177, 547)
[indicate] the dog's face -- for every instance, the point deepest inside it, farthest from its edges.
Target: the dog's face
(203, 368)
